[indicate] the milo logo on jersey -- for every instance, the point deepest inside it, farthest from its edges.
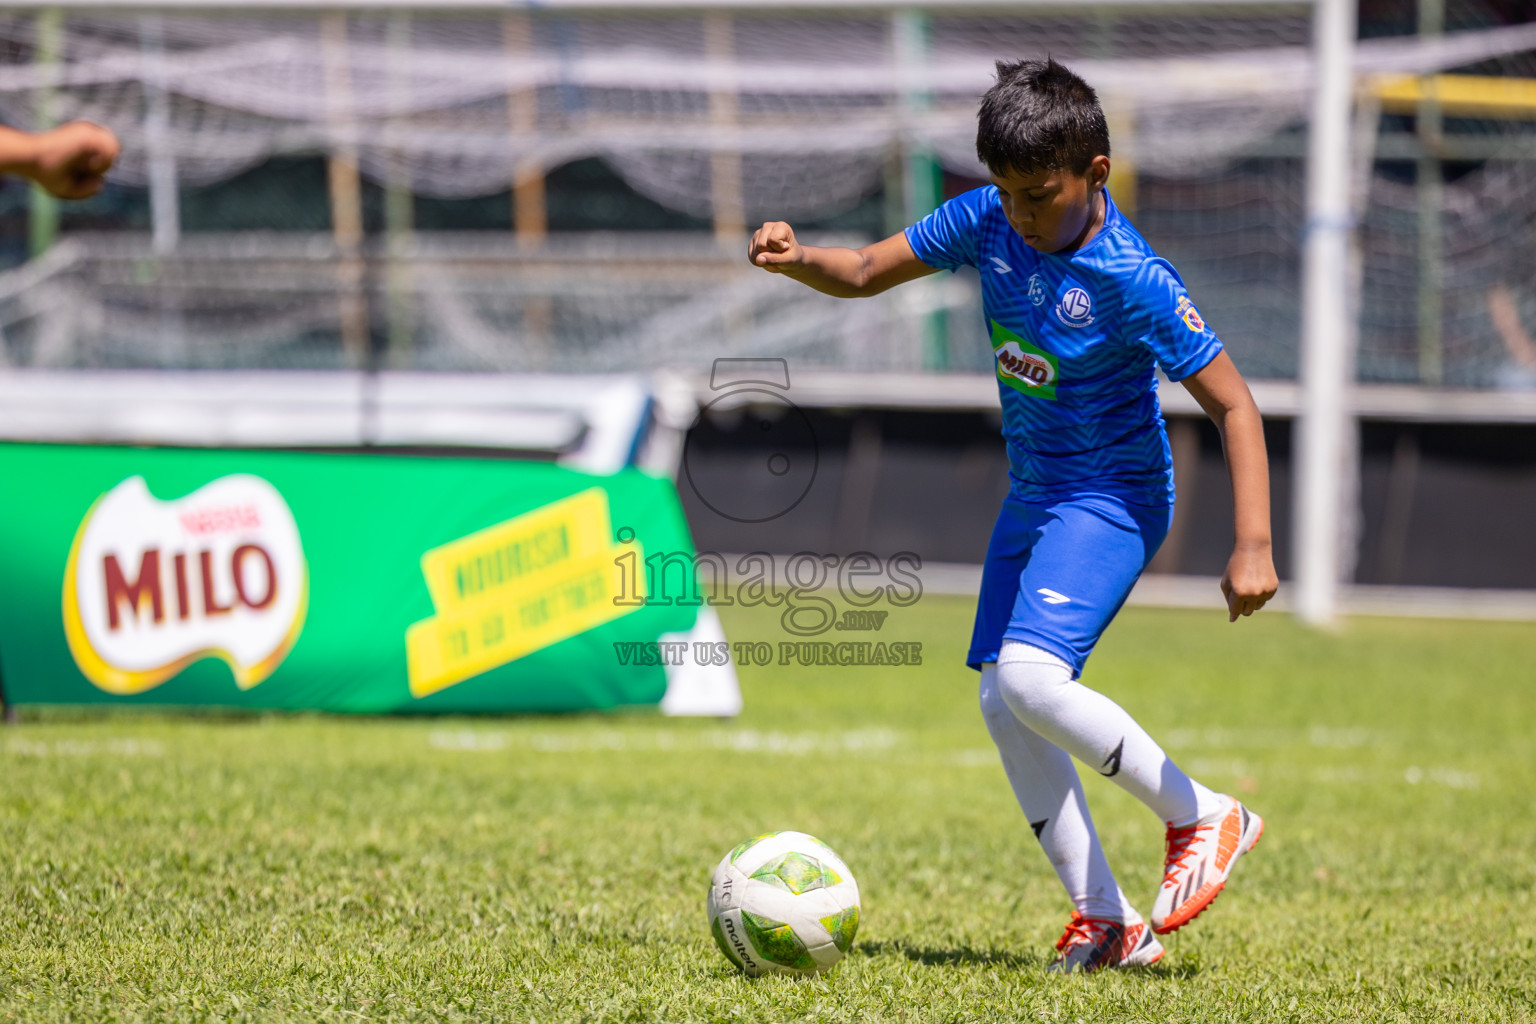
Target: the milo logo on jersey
(152, 586)
(1022, 366)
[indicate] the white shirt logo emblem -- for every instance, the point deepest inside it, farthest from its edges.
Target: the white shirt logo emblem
(1001, 267)
(1075, 308)
(1051, 597)
(1036, 290)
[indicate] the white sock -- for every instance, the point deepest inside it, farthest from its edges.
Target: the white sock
(1039, 687)
(1050, 794)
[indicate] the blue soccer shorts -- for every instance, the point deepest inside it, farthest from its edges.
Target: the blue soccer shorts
(1058, 571)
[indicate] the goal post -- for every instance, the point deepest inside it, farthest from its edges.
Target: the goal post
(1326, 427)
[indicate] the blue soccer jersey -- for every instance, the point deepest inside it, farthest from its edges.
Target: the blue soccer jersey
(1074, 341)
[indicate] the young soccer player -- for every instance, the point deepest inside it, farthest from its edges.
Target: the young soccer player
(70, 161)
(1079, 309)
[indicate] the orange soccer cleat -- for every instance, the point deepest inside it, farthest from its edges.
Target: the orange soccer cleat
(1200, 857)
(1090, 944)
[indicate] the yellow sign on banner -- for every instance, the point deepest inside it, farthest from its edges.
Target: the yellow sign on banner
(517, 587)
(509, 554)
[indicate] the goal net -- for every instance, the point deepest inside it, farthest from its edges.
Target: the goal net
(845, 119)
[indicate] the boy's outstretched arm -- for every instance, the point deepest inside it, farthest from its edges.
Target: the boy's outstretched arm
(1250, 579)
(70, 161)
(845, 273)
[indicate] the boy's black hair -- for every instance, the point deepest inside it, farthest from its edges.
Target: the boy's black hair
(1039, 116)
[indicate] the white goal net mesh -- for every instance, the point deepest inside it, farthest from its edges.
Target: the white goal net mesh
(721, 120)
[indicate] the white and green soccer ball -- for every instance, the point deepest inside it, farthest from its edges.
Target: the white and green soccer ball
(783, 903)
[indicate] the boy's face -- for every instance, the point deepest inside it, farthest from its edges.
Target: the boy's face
(1054, 210)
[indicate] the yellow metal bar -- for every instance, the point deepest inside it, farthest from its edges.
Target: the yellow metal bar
(1458, 95)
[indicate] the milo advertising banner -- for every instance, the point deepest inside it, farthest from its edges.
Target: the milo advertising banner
(349, 582)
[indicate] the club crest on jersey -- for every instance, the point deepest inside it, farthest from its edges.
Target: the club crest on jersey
(1026, 368)
(1075, 308)
(1036, 290)
(1187, 312)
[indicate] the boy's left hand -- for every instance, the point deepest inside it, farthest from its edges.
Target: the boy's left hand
(1249, 581)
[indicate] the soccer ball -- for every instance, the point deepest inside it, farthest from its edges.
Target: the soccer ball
(783, 903)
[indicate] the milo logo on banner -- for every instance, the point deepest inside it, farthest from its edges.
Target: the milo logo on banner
(152, 586)
(515, 588)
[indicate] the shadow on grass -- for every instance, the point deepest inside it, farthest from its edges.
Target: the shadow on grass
(968, 956)
(961, 956)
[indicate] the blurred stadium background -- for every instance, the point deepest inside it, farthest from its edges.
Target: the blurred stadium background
(369, 224)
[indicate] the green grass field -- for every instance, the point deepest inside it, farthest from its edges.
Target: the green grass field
(554, 869)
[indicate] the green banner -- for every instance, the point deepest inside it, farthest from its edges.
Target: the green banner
(337, 582)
